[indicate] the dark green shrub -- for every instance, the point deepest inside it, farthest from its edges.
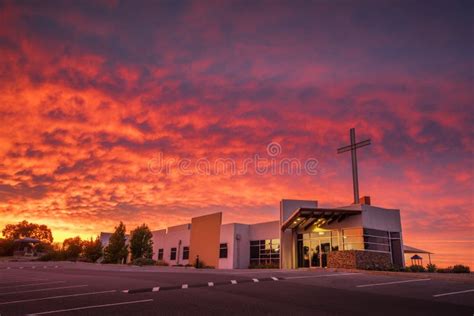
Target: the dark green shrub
(199, 264)
(54, 255)
(92, 249)
(431, 267)
(417, 268)
(445, 270)
(265, 266)
(162, 263)
(459, 268)
(6, 247)
(143, 262)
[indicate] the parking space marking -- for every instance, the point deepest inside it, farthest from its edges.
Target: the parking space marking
(319, 276)
(56, 297)
(34, 284)
(453, 293)
(210, 283)
(274, 279)
(184, 286)
(255, 280)
(20, 281)
(394, 282)
(46, 289)
(233, 281)
(90, 307)
(155, 289)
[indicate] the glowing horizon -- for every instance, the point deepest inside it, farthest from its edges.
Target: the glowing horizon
(93, 92)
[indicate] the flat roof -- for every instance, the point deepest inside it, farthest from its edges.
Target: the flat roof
(304, 217)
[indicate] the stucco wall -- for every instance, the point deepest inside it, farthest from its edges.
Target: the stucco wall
(227, 236)
(205, 239)
(267, 230)
(381, 218)
(241, 247)
(171, 238)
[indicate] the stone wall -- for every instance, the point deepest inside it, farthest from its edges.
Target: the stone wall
(359, 259)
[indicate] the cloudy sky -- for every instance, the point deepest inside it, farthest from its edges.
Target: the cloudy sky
(94, 94)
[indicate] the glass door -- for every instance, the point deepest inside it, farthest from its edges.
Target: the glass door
(315, 253)
(325, 249)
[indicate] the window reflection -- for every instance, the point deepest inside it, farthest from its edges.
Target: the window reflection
(263, 252)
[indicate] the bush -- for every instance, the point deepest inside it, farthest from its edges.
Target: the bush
(54, 255)
(459, 268)
(264, 266)
(92, 249)
(199, 264)
(143, 262)
(162, 263)
(417, 268)
(431, 267)
(6, 247)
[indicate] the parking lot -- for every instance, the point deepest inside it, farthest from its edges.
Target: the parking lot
(78, 288)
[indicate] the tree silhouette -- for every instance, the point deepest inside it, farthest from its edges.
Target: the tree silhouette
(141, 243)
(24, 229)
(117, 249)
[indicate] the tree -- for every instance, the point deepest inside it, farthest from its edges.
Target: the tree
(92, 249)
(72, 248)
(24, 229)
(141, 243)
(117, 250)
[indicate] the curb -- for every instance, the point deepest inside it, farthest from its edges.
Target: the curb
(199, 285)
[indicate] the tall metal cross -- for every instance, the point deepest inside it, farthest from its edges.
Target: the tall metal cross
(353, 148)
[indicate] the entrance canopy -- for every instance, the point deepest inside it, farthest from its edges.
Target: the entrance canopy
(304, 217)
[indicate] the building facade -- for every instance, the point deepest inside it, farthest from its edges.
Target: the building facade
(305, 236)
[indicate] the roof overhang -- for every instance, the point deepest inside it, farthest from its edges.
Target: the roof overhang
(305, 217)
(409, 249)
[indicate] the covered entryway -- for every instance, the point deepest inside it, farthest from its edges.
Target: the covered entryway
(309, 233)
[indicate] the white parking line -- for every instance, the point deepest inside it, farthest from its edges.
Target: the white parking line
(210, 283)
(184, 286)
(34, 284)
(255, 280)
(453, 293)
(233, 281)
(46, 289)
(155, 289)
(319, 276)
(56, 297)
(274, 279)
(20, 281)
(90, 307)
(394, 282)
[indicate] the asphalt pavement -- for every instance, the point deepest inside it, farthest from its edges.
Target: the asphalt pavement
(64, 288)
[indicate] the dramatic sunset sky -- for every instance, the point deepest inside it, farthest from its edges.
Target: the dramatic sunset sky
(92, 92)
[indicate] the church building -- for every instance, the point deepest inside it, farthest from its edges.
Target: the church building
(356, 236)
(306, 235)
